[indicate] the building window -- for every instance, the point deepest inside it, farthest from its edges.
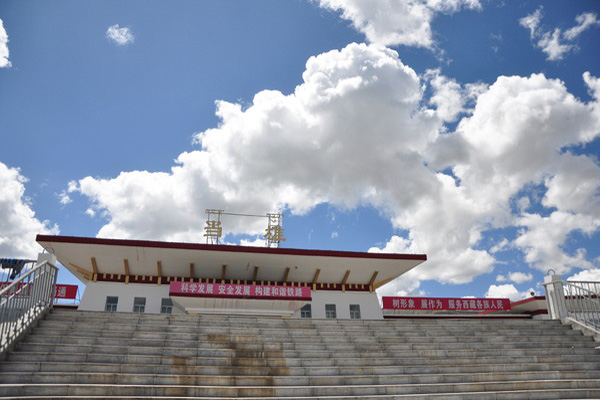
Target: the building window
(306, 311)
(330, 311)
(139, 304)
(166, 306)
(111, 303)
(354, 311)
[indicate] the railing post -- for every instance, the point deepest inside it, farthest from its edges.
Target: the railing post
(555, 296)
(48, 257)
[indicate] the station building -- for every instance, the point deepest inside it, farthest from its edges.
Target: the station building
(168, 277)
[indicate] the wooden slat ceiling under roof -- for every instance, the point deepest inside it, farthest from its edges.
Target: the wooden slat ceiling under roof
(85, 257)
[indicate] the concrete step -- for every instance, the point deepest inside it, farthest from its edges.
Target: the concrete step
(349, 352)
(292, 391)
(308, 336)
(56, 328)
(190, 349)
(311, 339)
(190, 357)
(490, 395)
(127, 355)
(185, 369)
(121, 378)
(225, 343)
(319, 325)
(277, 323)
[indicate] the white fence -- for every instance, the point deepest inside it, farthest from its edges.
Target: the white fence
(26, 300)
(579, 300)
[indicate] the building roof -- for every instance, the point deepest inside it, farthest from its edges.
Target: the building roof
(86, 256)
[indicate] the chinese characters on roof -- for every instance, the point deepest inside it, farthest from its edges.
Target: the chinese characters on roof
(274, 231)
(213, 226)
(214, 230)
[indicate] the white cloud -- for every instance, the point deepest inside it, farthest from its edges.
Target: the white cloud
(334, 235)
(523, 204)
(584, 21)
(507, 291)
(519, 277)
(257, 242)
(18, 224)
(553, 42)
(407, 286)
(543, 238)
(574, 186)
(528, 293)
(500, 278)
(504, 243)
(551, 45)
(361, 110)
(447, 97)
(532, 22)
(64, 198)
(396, 22)
(4, 61)
(120, 36)
(593, 84)
(586, 275)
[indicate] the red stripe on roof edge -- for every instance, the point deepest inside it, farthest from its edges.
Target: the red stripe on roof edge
(226, 248)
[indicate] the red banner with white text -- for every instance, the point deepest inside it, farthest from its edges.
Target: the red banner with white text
(445, 304)
(233, 291)
(24, 288)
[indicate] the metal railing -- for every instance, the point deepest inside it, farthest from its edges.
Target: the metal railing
(582, 302)
(579, 300)
(24, 301)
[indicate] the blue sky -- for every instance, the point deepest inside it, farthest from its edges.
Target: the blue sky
(466, 130)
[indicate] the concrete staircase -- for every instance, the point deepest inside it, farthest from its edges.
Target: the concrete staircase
(83, 355)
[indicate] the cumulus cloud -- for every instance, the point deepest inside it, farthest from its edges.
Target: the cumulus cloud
(18, 224)
(407, 286)
(543, 239)
(507, 291)
(449, 97)
(4, 61)
(396, 22)
(553, 43)
(519, 277)
(121, 36)
(586, 275)
(358, 131)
